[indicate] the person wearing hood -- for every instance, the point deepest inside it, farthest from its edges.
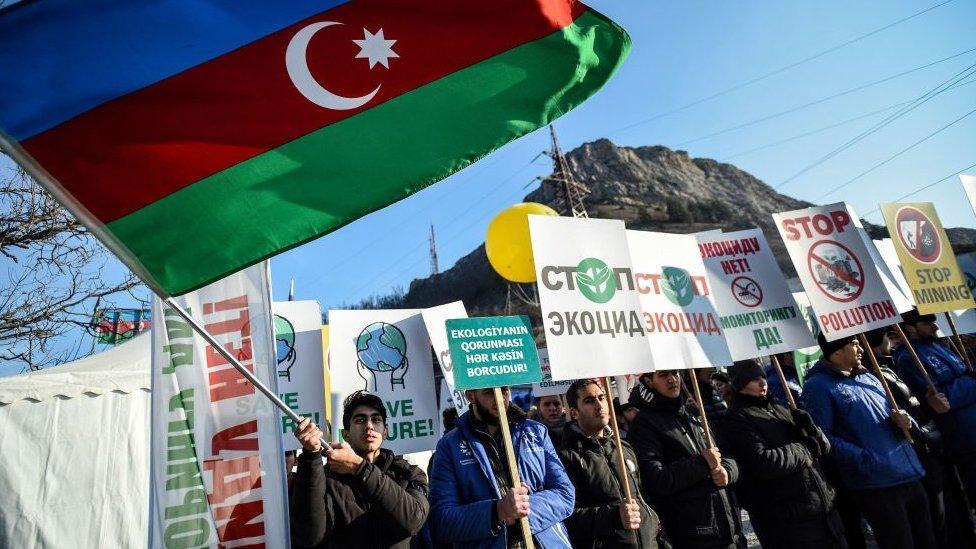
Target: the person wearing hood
(364, 495)
(953, 403)
(602, 517)
(781, 482)
(686, 481)
(876, 463)
(473, 502)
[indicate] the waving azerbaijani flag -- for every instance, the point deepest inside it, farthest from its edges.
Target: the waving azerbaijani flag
(199, 137)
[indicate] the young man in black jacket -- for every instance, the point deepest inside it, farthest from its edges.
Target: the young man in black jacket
(778, 451)
(683, 479)
(602, 517)
(364, 496)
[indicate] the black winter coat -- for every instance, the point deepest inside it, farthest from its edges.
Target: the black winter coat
(383, 505)
(591, 464)
(669, 441)
(778, 451)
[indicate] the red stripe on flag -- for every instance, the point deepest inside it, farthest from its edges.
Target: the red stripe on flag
(136, 149)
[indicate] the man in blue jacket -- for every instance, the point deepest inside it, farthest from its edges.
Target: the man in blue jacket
(876, 462)
(473, 504)
(954, 403)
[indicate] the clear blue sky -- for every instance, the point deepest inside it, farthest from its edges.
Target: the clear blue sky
(684, 52)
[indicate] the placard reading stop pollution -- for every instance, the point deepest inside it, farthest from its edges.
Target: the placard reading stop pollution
(758, 313)
(493, 351)
(836, 270)
(926, 257)
(387, 352)
(590, 308)
(682, 322)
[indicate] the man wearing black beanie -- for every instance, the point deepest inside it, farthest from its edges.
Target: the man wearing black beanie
(782, 484)
(875, 461)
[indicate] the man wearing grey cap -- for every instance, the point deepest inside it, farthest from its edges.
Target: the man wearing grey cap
(876, 462)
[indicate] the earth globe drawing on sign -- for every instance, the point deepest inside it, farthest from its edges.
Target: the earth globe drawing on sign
(382, 350)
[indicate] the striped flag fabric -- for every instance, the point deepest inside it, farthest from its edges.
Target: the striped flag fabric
(199, 137)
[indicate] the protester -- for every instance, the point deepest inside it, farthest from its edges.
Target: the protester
(875, 460)
(682, 478)
(473, 501)
(602, 517)
(449, 418)
(722, 386)
(781, 482)
(950, 521)
(711, 400)
(788, 365)
(549, 412)
(364, 496)
(953, 403)
(626, 413)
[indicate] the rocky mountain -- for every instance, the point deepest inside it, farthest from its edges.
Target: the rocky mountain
(650, 188)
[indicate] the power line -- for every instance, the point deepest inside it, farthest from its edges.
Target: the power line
(917, 102)
(892, 157)
(825, 128)
(925, 187)
(815, 102)
(779, 70)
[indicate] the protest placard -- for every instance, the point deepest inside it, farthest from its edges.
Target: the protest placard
(890, 273)
(496, 351)
(758, 314)
(969, 186)
(548, 387)
(965, 319)
(435, 319)
(682, 323)
(217, 473)
(836, 270)
(805, 358)
(590, 308)
(387, 352)
(298, 350)
(926, 257)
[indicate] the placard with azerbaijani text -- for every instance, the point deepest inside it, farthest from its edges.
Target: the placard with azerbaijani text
(494, 351)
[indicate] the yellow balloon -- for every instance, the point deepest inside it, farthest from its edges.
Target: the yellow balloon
(508, 245)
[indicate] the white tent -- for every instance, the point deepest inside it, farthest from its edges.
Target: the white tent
(74, 452)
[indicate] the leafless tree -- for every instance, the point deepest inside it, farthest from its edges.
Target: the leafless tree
(54, 275)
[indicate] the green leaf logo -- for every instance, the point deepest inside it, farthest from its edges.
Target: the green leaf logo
(594, 281)
(676, 284)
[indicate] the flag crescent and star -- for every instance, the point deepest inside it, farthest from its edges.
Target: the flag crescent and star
(373, 47)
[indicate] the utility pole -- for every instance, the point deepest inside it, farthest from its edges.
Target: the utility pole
(433, 252)
(569, 192)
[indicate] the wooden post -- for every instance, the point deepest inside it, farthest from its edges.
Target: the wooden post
(512, 464)
(782, 379)
(881, 378)
(955, 334)
(701, 408)
(918, 361)
(621, 461)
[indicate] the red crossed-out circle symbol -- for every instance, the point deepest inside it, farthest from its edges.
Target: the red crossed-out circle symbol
(918, 235)
(836, 270)
(747, 291)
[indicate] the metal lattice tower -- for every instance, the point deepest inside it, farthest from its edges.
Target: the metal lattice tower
(568, 190)
(433, 252)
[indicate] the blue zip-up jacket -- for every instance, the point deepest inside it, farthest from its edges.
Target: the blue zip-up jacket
(948, 373)
(776, 387)
(463, 490)
(855, 414)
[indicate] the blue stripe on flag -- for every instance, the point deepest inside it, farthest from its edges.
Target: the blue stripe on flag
(61, 58)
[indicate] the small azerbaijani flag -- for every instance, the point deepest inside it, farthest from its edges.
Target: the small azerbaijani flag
(199, 137)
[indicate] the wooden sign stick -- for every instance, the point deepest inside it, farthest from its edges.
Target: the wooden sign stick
(918, 361)
(955, 334)
(701, 409)
(881, 378)
(512, 464)
(782, 379)
(621, 461)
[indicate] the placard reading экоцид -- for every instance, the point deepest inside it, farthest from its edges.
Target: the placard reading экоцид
(492, 351)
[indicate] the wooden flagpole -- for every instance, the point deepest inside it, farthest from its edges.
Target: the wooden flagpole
(510, 457)
(881, 378)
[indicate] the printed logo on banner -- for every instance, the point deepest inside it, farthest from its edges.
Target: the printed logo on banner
(918, 235)
(836, 270)
(677, 286)
(593, 280)
(284, 346)
(382, 352)
(747, 291)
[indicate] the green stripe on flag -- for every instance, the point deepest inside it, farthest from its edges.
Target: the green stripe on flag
(333, 176)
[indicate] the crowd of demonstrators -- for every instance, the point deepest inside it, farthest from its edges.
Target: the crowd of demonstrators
(807, 477)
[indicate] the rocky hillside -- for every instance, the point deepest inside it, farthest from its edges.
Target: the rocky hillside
(650, 188)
